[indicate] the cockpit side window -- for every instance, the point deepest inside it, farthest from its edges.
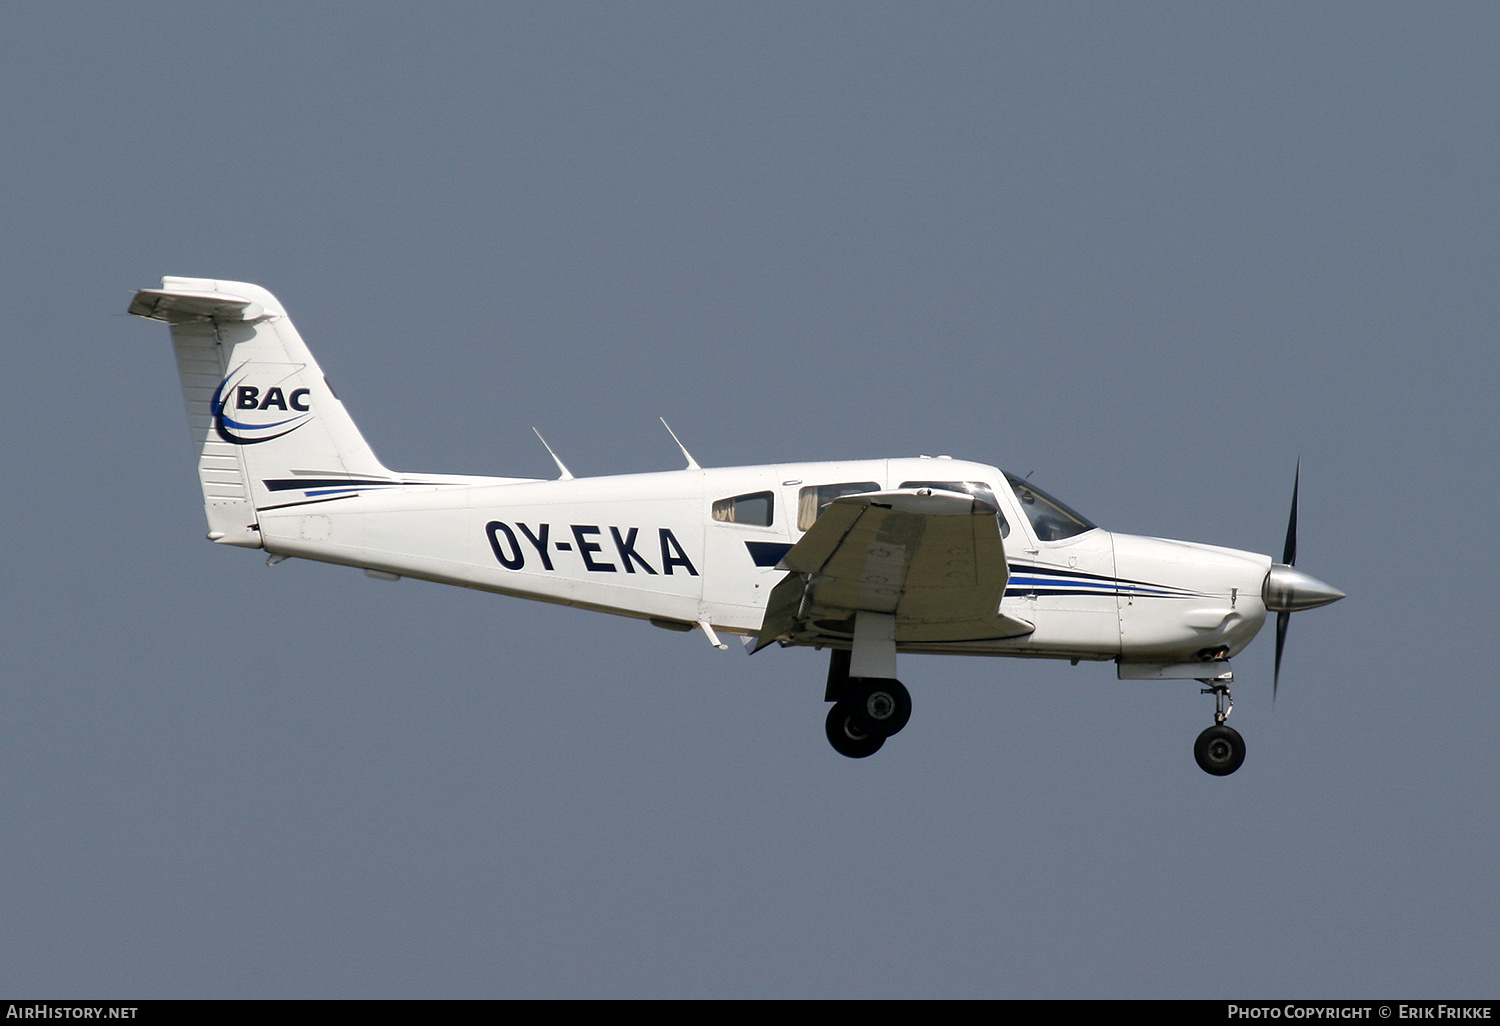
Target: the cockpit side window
(978, 489)
(812, 499)
(756, 509)
(1050, 519)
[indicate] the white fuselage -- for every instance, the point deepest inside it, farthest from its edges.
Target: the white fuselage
(650, 546)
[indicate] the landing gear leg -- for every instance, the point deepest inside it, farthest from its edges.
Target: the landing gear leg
(838, 675)
(1223, 701)
(1219, 750)
(869, 708)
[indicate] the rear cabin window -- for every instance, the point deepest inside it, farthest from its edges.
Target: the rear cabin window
(978, 489)
(756, 509)
(812, 500)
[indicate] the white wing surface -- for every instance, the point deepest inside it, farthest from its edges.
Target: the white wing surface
(933, 559)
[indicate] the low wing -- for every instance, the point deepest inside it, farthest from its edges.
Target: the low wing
(933, 559)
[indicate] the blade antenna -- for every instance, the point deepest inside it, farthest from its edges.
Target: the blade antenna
(692, 463)
(566, 474)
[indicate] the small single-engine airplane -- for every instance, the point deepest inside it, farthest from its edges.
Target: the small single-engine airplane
(866, 558)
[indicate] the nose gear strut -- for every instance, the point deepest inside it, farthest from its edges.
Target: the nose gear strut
(1219, 750)
(1223, 700)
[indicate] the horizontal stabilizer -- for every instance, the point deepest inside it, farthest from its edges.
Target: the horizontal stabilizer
(180, 307)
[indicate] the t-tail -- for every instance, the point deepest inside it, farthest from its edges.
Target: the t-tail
(266, 426)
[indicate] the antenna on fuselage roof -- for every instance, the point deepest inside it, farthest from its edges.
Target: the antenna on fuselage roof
(567, 475)
(692, 463)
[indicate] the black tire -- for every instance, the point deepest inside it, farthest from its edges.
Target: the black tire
(882, 702)
(1219, 750)
(848, 733)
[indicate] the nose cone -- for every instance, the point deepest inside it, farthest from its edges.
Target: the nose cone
(1288, 590)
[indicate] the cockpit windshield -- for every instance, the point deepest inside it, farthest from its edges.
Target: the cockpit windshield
(1050, 519)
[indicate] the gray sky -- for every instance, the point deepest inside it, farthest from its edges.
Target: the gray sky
(1151, 252)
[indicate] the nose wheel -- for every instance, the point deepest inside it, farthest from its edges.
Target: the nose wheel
(1220, 749)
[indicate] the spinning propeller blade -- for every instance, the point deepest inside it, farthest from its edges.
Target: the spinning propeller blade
(1289, 551)
(1289, 557)
(1283, 620)
(1288, 589)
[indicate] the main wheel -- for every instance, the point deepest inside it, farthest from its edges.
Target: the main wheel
(849, 734)
(1219, 750)
(883, 703)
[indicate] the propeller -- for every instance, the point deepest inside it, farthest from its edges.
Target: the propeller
(1288, 590)
(1289, 557)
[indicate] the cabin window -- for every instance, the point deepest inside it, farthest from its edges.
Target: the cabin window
(978, 489)
(1050, 519)
(812, 500)
(756, 509)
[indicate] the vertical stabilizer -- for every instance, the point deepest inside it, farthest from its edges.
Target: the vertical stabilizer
(267, 428)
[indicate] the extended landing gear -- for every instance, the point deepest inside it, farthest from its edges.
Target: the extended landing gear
(866, 710)
(871, 710)
(1220, 750)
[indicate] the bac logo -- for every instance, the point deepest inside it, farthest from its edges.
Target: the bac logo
(588, 544)
(247, 397)
(246, 428)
